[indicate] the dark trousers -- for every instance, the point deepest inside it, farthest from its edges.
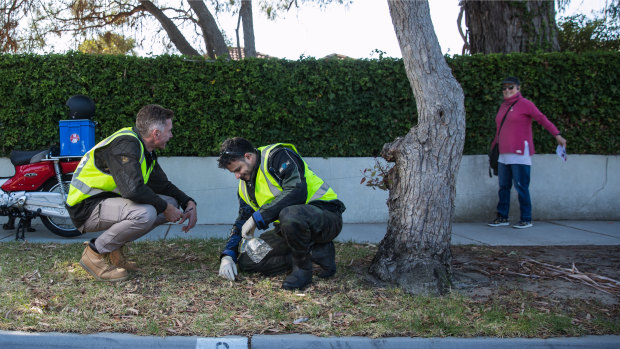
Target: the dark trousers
(520, 176)
(300, 227)
(277, 261)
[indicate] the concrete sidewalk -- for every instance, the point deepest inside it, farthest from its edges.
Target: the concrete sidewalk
(543, 233)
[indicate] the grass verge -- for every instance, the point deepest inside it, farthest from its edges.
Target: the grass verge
(178, 292)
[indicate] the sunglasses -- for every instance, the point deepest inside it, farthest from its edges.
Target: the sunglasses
(232, 153)
(504, 88)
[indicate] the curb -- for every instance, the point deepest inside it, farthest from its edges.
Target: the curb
(19, 340)
(301, 341)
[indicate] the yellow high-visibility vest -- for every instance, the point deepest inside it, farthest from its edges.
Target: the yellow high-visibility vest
(88, 180)
(267, 188)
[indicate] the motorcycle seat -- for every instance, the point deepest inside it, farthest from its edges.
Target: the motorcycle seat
(23, 157)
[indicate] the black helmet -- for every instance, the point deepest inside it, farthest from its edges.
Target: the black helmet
(81, 107)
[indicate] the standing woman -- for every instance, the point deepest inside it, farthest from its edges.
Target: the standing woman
(516, 148)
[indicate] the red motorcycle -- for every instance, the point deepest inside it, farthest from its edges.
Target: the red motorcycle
(41, 182)
(38, 189)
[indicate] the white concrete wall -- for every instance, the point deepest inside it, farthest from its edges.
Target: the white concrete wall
(585, 187)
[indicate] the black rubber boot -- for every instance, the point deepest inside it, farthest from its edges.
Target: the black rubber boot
(301, 276)
(10, 224)
(325, 256)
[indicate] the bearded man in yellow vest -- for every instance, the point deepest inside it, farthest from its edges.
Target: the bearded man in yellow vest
(277, 186)
(120, 189)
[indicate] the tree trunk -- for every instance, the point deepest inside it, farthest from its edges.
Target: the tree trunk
(171, 29)
(415, 253)
(214, 40)
(511, 26)
(249, 44)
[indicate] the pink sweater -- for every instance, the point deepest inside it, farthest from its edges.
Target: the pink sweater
(518, 125)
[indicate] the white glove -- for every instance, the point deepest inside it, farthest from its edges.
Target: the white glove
(228, 269)
(247, 230)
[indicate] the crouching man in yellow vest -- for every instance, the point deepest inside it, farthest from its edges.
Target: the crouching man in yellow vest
(120, 189)
(277, 186)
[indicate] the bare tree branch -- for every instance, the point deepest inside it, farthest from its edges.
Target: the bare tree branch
(245, 13)
(11, 12)
(171, 29)
(459, 24)
(214, 39)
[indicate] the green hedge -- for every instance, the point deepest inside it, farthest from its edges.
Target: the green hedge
(325, 107)
(579, 93)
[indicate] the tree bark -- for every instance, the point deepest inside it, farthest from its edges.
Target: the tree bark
(415, 253)
(249, 44)
(214, 40)
(511, 26)
(171, 29)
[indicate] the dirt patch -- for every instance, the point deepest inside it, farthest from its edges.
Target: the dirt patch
(483, 271)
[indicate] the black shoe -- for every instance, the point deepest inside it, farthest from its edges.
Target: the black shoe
(499, 221)
(325, 256)
(301, 276)
(523, 225)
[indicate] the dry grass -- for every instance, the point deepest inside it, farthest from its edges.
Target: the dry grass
(178, 292)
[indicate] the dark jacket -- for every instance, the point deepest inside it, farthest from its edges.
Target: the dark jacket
(121, 159)
(287, 168)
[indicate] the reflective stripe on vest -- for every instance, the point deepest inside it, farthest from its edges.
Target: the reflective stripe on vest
(88, 180)
(266, 187)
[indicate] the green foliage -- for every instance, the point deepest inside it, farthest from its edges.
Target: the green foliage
(108, 43)
(577, 92)
(326, 107)
(378, 176)
(579, 34)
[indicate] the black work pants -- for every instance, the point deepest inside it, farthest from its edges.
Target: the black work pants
(300, 227)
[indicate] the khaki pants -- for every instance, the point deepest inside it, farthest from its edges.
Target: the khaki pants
(122, 221)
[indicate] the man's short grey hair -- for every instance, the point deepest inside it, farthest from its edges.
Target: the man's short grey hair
(152, 116)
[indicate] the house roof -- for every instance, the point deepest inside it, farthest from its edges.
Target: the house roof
(236, 55)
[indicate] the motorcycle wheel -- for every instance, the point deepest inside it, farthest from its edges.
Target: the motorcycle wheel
(60, 226)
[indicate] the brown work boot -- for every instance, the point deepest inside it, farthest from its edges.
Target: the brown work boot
(118, 259)
(99, 266)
